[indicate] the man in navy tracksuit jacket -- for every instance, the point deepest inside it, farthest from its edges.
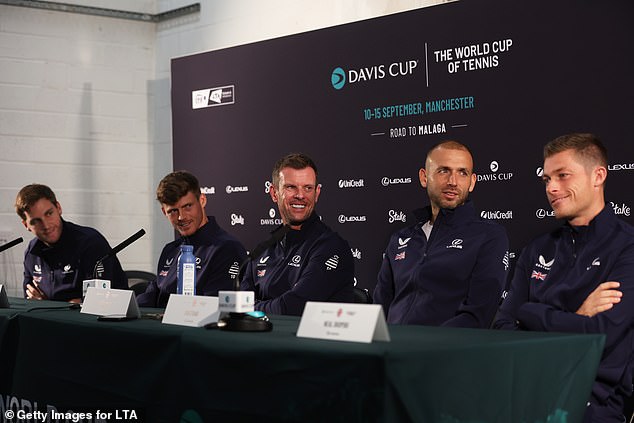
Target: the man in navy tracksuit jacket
(448, 269)
(218, 254)
(311, 263)
(580, 277)
(63, 254)
(454, 278)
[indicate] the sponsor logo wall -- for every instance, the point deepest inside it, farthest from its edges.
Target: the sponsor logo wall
(367, 100)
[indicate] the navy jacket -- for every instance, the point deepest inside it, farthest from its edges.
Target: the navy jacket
(310, 264)
(556, 273)
(218, 257)
(61, 268)
(453, 279)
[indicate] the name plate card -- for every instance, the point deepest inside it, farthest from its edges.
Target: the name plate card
(191, 310)
(343, 322)
(110, 302)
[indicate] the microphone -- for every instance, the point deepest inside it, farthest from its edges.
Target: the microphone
(118, 248)
(252, 321)
(12, 244)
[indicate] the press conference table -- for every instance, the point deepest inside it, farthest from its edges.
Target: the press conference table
(166, 373)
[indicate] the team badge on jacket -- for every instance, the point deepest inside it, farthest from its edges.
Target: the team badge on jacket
(332, 262)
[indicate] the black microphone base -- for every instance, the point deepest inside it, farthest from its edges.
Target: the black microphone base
(242, 322)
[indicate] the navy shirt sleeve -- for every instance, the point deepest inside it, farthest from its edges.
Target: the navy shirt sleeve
(221, 269)
(614, 322)
(384, 289)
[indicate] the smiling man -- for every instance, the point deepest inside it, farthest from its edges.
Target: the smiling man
(449, 268)
(311, 263)
(218, 254)
(580, 277)
(62, 254)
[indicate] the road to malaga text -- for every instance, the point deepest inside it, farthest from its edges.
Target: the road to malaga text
(53, 415)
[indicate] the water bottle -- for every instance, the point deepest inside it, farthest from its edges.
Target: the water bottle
(186, 271)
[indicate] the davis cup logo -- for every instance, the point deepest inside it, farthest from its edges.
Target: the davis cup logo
(338, 78)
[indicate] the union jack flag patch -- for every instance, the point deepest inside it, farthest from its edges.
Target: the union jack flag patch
(538, 275)
(400, 256)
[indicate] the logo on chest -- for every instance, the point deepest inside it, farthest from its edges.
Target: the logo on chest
(456, 243)
(402, 243)
(541, 264)
(595, 263)
(295, 261)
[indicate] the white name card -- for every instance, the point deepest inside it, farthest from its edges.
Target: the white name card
(191, 310)
(343, 322)
(4, 300)
(110, 302)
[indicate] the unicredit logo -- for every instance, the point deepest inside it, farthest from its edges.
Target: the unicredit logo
(231, 189)
(351, 183)
(345, 219)
(267, 187)
(339, 77)
(385, 181)
(497, 214)
(541, 213)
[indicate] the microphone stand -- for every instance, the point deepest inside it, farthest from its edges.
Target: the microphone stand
(113, 252)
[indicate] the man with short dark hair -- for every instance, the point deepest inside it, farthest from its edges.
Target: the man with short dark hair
(311, 263)
(580, 277)
(218, 254)
(62, 254)
(449, 268)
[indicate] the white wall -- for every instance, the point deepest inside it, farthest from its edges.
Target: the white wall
(85, 104)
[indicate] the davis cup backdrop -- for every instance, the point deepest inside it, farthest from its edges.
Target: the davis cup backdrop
(366, 101)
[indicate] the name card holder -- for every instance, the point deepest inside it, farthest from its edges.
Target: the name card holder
(4, 300)
(191, 310)
(110, 303)
(343, 322)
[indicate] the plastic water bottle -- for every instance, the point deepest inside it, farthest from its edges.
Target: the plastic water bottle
(186, 271)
